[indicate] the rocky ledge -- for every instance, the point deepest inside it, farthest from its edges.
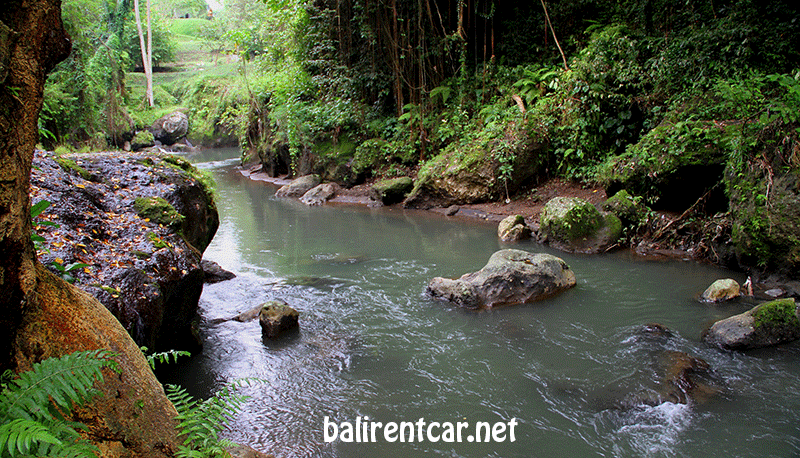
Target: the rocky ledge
(130, 229)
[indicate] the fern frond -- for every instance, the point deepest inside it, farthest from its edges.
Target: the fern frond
(64, 381)
(20, 436)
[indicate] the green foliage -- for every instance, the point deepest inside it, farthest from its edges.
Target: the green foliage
(200, 422)
(36, 210)
(163, 357)
(34, 407)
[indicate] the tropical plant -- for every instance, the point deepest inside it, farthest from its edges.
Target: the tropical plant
(200, 422)
(34, 407)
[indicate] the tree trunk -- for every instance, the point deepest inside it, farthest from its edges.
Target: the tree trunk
(40, 314)
(146, 50)
(32, 42)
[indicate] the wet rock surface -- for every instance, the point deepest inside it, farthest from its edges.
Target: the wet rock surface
(575, 225)
(146, 273)
(510, 277)
(298, 187)
(721, 290)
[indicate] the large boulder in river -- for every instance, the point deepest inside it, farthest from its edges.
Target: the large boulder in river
(513, 228)
(147, 273)
(298, 186)
(170, 128)
(575, 225)
(510, 277)
(767, 324)
(721, 290)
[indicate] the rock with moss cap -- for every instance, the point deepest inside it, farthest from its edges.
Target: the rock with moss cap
(391, 191)
(627, 208)
(575, 225)
(510, 277)
(513, 228)
(765, 325)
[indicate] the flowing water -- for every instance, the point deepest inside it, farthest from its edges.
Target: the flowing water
(575, 371)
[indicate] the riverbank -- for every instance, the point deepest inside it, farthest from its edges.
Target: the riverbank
(689, 236)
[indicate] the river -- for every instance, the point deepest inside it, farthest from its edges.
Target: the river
(569, 369)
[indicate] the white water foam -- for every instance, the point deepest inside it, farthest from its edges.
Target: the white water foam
(655, 430)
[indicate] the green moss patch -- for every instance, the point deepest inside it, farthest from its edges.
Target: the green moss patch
(159, 211)
(570, 218)
(776, 313)
(71, 166)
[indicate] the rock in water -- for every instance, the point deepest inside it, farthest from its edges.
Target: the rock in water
(575, 225)
(721, 290)
(214, 273)
(298, 187)
(510, 277)
(276, 317)
(767, 324)
(170, 128)
(513, 228)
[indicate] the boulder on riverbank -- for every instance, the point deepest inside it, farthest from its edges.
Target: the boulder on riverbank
(510, 277)
(147, 274)
(513, 228)
(391, 191)
(574, 225)
(721, 290)
(298, 186)
(170, 128)
(319, 194)
(767, 324)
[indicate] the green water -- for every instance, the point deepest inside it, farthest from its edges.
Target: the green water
(372, 344)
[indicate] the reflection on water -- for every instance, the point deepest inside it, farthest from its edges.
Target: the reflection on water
(570, 369)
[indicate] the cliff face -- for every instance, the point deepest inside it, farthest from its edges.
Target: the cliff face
(130, 230)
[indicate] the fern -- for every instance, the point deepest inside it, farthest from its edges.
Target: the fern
(33, 407)
(163, 357)
(200, 422)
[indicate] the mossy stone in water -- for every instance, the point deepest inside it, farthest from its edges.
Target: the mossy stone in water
(573, 224)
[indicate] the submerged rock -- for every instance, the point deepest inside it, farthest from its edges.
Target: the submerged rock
(721, 290)
(276, 318)
(298, 187)
(319, 194)
(510, 277)
(767, 324)
(392, 191)
(575, 225)
(513, 228)
(683, 381)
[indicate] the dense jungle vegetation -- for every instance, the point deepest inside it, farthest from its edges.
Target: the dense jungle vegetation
(687, 105)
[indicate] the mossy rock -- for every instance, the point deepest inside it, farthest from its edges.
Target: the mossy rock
(766, 221)
(513, 228)
(391, 191)
(765, 325)
(672, 166)
(159, 211)
(575, 225)
(630, 210)
(142, 139)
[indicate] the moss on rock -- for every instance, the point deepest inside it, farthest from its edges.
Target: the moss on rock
(573, 224)
(780, 312)
(630, 210)
(158, 210)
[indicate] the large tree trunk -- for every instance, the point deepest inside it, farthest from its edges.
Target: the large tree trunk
(40, 314)
(32, 41)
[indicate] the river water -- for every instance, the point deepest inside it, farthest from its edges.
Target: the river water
(571, 370)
